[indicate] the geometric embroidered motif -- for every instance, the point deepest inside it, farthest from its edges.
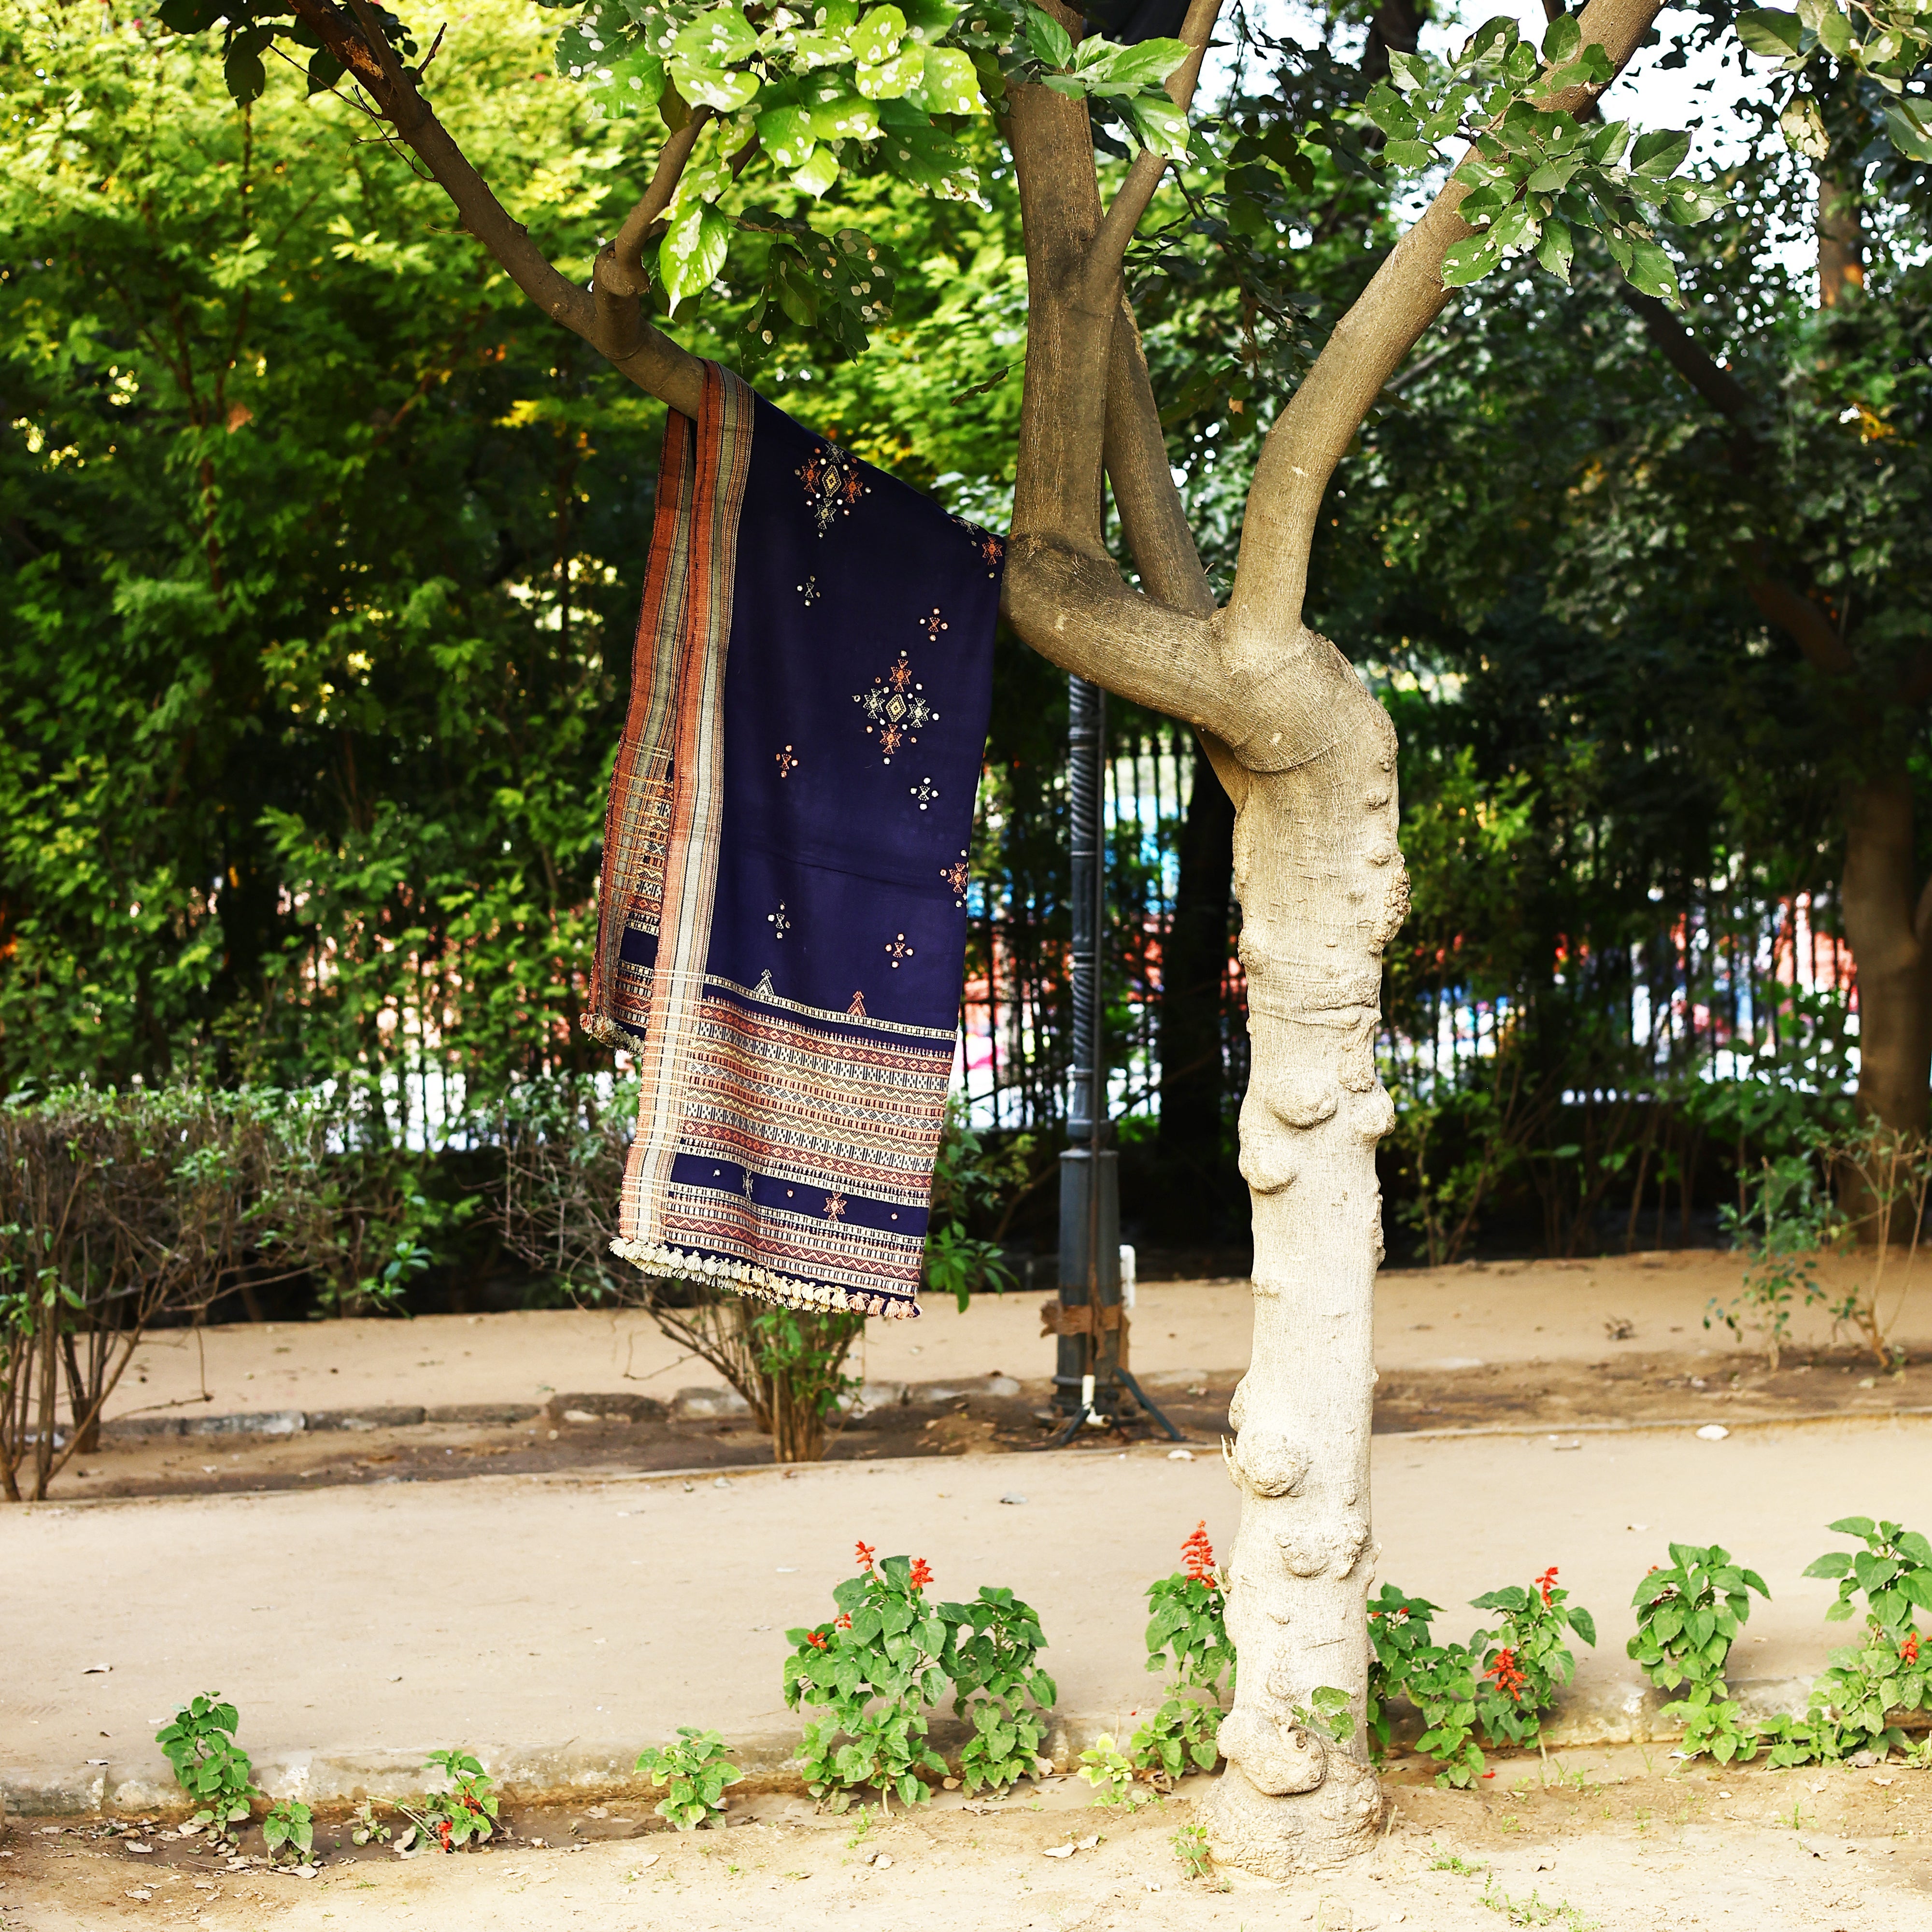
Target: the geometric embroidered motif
(832, 485)
(894, 708)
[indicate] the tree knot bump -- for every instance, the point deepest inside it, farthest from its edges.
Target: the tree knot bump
(1333, 1550)
(1275, 1758)
(1269, 1464)
(1302, 1099)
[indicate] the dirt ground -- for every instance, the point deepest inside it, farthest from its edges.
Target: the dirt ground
(1551, 1345)
(1612, 1840)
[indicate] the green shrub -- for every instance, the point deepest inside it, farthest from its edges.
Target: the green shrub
(697, 1769)
(1688, 1616)
(877, 1667)
(199, 1742)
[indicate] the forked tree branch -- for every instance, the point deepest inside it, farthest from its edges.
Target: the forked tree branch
(627, 248)
(1369, 342)
(1143, 173)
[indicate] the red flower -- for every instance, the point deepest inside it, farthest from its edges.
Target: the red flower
(442, 1832)
(1197, 1553)
(817, 1640)
(865, 1556)
(1509, 1678)
(845, 1622)
(1908, 1651)
(1547, 1582)
(922, 1573)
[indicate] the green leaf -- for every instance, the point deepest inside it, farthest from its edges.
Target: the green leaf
(1658, 153)
(725, 90)
(716, 38)
(1146, 64)
(1770, 31)
(950, 84)
(1161, 126)
(787, 135)
(843, 117)
(891, 79)
(1554, 249)
(1562, 41)
(693, 251)
(1047, 40)
(1469, 260)
(1908, 123)
(877, 37)
(1833, 32)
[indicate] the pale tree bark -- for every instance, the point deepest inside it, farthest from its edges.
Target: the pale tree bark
(1309, 758)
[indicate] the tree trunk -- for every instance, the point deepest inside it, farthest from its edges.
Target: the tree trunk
(1886, 925)
(1322, 889)
(1192, 965)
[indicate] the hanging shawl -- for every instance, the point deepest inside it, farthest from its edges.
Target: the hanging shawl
(782, 919)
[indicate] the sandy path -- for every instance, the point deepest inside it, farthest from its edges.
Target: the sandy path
(1512, 1311)
(529, 1618)
(1599, 1846)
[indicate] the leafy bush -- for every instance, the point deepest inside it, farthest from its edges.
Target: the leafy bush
(888, 1657)
(464, 1813)
(1868, 1684)
(697, 1768)
(1688, 1615)
(289, 1827)
(1187, 1637)
(199, 1742)
(1497, 1686)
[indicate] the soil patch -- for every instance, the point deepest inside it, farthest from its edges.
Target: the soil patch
(1606, 1839)
(1626, 1386)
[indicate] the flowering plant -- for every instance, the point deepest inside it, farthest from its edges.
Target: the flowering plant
(888, 1655)
(1526, 1658)
(1187, 1635)
(467, 1810)
(1852, 1704)
(1398, 1640)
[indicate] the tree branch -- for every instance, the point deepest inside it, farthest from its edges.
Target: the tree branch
(1687, 355)
(627, 249)
(1130, 200)
(1367, 347)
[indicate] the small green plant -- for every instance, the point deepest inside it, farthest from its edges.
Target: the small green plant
(1785, 1217)
(1398, 1635)
(1190, 1847)
(1329, 1711)
(200, 1743)
(466, 1812)
(365, 1827)
(1688, 1616)
(1187, 1637)
(992, 1651)
(1111, 1772)
(968, 1175)
(1454, 1861)
(289, 1827)
(889, 1654)
(697, 1768)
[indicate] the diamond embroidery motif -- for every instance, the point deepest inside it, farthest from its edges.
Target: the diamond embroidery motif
(810, 591)
(857, 1008)
(926, 791)
(956, 875)
(834, 1207)
(897, 950)
(895, 710)
(933, 626)
(787, 763)
(779, 924)
(748, 1183)
(832, 482)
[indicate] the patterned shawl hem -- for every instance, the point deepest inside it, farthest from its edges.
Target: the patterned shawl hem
(750, 1278)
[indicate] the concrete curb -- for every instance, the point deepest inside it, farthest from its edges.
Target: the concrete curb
(711, 1403)
(1618, 1713)
(604, 1406)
